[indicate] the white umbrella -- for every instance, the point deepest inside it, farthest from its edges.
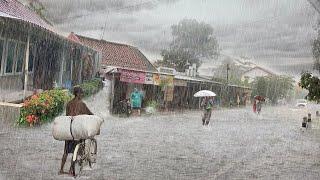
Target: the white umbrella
(204, 93)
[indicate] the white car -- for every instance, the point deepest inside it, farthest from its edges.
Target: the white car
(301, 103)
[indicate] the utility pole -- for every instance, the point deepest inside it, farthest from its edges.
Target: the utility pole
(228, 95)
(228, 68)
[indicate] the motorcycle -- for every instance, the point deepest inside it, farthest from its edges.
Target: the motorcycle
(125, 107)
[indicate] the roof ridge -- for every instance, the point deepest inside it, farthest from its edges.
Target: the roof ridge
(105, 41)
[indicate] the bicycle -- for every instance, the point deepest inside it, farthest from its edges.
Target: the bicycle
(125, 107)
(84, 152)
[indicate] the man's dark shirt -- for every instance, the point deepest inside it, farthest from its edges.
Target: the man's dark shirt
(77, 107)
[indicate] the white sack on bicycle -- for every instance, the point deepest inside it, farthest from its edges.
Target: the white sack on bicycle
(83, 127)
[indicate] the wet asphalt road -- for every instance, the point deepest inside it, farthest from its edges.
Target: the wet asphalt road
(237, 145)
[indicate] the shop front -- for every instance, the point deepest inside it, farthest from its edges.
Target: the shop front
(155, 87)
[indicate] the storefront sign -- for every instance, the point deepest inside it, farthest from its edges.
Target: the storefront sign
(156, 79)
(162, 79)
(149, 78)
(179, 82)
(132, 76)
(169, 80)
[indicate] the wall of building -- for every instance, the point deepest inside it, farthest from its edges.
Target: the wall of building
(253, 74)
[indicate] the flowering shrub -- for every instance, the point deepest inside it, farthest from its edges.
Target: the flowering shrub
(43, 107)
(91, 87)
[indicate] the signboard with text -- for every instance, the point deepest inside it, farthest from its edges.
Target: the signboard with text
(149, 78)
(132, 76)
(161, 78)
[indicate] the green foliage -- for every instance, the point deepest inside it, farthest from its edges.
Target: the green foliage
(192, 40)
(43, 107)
(273, 87)
(177, 59)
(312, 84)
(91, 87)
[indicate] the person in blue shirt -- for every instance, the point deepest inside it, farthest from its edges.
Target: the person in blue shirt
(136, 100)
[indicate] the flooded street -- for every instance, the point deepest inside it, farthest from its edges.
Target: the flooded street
(164, 60)
(237, 143)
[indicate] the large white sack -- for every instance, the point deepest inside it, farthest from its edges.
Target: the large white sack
(83, 127)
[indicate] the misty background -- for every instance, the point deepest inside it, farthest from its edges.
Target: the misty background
(276, 34)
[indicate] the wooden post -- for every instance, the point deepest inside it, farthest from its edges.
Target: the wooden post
(200, 98)
(26, 69)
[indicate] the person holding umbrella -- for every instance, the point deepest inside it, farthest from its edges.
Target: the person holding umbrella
(207, 105)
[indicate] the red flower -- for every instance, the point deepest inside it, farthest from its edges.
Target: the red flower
(29, 119)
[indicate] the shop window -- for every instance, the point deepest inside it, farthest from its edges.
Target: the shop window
(21, 49)
(10, 57)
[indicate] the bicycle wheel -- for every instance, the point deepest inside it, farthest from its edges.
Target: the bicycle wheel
(92, 152)
(77, 159)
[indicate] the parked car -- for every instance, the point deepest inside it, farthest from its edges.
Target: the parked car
(301, 103)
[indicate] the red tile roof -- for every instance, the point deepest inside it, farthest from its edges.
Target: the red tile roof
(17, 10)
(116, 54)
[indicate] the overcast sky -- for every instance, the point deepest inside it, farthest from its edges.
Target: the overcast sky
(275, 33)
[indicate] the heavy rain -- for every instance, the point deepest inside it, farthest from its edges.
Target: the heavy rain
(159, 89)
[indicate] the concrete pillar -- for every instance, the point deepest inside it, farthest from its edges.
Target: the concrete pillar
(26, 65)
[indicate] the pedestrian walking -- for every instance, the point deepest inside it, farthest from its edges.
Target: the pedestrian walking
(136, 100)
(207, 105)
(258, 106)
(238, 100)
(254, 106)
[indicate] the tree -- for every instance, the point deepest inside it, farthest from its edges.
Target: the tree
(273, 87)
(192, 40)
(312, 84)
(178, 59)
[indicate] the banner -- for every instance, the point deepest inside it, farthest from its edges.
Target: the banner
(132, 76)
(169, 80)
(162, 79)
(156, 79)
